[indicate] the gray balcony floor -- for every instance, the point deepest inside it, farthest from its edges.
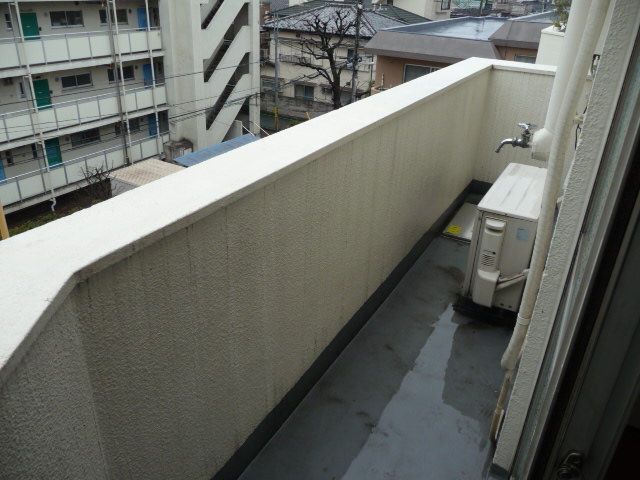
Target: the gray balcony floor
(411, 397)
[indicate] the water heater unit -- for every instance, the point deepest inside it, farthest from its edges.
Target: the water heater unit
(503, 236)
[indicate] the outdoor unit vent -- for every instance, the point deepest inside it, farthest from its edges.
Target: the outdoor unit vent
(176, 149)
(503, 236)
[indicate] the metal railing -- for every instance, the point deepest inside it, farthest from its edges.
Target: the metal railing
(75, 174)
(68, 38)
(20, 131)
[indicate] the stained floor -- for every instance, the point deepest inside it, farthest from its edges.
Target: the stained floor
(410, 398)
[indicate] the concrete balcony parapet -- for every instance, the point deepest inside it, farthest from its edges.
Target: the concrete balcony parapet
(161, 327)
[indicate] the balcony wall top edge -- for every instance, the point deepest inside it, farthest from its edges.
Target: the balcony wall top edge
(182, 199)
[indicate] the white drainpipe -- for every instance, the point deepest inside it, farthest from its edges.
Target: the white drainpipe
(542, 139)
(561, 117)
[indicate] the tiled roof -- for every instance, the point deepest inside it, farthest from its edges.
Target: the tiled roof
(400, 14)
(371, 21)
(388, 10)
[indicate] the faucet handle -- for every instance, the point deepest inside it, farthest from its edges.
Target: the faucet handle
(527, 126)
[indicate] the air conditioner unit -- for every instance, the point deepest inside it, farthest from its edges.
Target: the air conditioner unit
(503, 237)
(175, 149)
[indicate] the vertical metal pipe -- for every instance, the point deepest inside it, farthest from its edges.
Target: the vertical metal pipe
(35, 113)
(153, 80)
(117, 72)
(354, 76)
(276, 68)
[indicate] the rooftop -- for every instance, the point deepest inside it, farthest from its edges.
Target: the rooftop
(388, 10)
(444, 41)
(371, 21)
(469, 28)
(523, 32)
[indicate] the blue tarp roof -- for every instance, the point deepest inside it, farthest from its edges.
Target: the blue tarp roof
(191, 159)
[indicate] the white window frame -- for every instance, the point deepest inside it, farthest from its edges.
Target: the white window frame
(7, 22)
(404, 70)
(304, 97)
(445, 4)
(84, 142)
(116, 73)
(106, 22)
(517, 58)
(67, 20)
(76, 87)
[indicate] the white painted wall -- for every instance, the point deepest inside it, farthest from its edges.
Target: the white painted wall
(292, 74)
(191, 305)
(577, 202)
(10, 94)
(430, 9)
(186, 53)
(550, 46)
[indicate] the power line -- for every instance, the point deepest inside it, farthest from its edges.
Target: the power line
(143, 82)
(29, 127)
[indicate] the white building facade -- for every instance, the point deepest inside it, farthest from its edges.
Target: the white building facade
(86, 85)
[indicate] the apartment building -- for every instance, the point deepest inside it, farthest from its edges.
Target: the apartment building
(304, 92)
(103, 84)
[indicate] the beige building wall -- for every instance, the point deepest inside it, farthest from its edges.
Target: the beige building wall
(392, 70)
(509, 53)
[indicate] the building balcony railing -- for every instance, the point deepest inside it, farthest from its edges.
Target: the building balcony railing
(64, 115)
(68, 47)
(31, 184)
(165, 326)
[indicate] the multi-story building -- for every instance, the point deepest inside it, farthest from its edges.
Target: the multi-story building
(91, 84)
(285, 311)
(408, 52)
(304, 91)
(431, 9)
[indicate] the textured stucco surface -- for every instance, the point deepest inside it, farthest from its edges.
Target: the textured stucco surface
(194, 303)
(511, 99)
(577, 195)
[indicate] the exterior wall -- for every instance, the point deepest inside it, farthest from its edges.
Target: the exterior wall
(505, 94)
(393, 69)
(212, 291)
(90, 16)
(430, 9)
(24, 161)
(509, 53)
(578, 221)
(293, 74)
(100, 86)
(70, 43)
(61, 51)
(550, 46)
(194, 53)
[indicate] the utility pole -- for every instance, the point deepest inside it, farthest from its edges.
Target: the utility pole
(480, 8)
(4, 230)
(276, 69)
(354, 76)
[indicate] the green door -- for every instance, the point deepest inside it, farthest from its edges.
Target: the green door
(43, 97)
(54, 157)
(30, 26)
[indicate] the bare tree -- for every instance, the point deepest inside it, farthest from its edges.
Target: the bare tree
(98, 185)
(327, 34)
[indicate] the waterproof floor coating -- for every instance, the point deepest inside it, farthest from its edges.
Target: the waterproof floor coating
(411, 397)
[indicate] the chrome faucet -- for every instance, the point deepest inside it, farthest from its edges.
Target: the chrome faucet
(522, 141)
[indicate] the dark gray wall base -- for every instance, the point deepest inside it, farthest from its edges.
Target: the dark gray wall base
(497, 473)
(274, 419)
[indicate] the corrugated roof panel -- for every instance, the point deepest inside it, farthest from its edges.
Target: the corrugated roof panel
(191, 159)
